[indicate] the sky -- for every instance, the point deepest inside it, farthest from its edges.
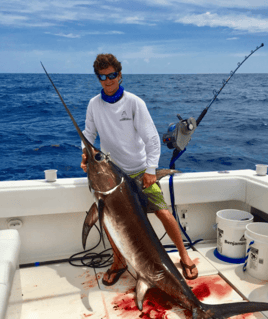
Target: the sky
(147, 36)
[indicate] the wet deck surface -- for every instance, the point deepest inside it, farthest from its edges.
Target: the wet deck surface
(64, 291)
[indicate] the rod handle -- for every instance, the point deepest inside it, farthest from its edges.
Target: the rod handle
(200, 118)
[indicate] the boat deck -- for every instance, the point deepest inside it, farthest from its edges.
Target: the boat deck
(64, 291)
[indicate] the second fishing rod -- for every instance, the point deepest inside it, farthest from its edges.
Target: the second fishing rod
(179, 135)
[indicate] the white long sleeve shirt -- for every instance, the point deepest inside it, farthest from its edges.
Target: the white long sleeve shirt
(126, 130)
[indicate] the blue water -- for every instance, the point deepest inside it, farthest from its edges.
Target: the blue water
(37, 134)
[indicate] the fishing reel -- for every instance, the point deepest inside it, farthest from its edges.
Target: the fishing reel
(179, 135)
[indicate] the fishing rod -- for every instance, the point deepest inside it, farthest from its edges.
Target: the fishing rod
(201, 116)
(179, 135)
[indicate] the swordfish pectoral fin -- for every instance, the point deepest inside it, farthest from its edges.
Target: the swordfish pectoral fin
(90, 220)
(141, 289)
(101, 208)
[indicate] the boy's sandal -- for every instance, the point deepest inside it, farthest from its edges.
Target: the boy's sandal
(118, 273)
(184, 266)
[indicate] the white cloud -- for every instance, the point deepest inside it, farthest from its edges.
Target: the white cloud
(248, 4)
(51, 12)
(10, 19)
(115, 32)
(143, 12)
(20, 20)
(135, 20)
(233, 38)
(105, 32)
(146, 52)
(238, 22)
(69, 35)
(73, 36)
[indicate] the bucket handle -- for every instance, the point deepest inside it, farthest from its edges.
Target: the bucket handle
(246, 259)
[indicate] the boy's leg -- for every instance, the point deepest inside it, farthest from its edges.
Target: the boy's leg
(119, 260)
(172, 229)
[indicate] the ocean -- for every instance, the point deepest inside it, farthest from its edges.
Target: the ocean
(37, 134)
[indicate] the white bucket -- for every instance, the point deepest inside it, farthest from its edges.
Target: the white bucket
(257, 264)
(51, 175)
(231, 226)
(261, 169)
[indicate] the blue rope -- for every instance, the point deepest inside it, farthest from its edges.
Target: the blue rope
(228, 259)
(246, 259)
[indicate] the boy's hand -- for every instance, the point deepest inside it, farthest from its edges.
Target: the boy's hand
(84, 162)
(148, 180)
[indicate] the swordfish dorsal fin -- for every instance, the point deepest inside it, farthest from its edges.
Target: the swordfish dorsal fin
(160, 173)
(164, 172)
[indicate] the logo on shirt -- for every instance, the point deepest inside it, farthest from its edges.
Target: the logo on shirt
(124, 117)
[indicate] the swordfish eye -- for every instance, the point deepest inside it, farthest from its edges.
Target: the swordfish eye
(98, 157)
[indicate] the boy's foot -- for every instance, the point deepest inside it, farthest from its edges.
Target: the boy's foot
(112, 276)
(189, 271)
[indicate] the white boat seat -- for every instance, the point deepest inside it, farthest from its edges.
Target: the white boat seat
(9, 260)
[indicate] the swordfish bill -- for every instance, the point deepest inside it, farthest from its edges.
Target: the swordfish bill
(122, 207)
(81, 135)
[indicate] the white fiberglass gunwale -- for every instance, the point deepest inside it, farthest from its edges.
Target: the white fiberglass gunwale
(38, 197)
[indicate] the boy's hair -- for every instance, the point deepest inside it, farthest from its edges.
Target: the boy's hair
(103, 61)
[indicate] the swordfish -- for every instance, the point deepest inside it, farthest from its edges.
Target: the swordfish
(121, 206)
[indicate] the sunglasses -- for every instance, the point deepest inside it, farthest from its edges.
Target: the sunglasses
(111, 76)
